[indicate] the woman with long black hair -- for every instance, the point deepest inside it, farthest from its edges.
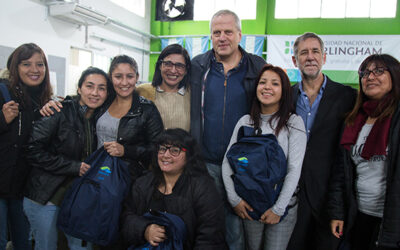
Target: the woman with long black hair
(57, 148)
(28, 83)
(272, 113)
(128, 124)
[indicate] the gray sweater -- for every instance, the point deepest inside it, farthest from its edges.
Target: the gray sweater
(292, 139)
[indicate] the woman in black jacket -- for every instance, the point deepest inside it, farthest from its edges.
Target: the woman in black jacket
(364, 199)
(179, 184)
(28, 83)
(128, 124)
(57, 148)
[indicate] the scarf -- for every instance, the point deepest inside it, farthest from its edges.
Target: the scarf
(377, 139)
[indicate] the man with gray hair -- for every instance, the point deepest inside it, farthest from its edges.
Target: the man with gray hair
(222, 88)
(322, 103)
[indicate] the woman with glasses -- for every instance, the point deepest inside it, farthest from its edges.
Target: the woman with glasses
(364, 199)
(170, 87)
(179, 184)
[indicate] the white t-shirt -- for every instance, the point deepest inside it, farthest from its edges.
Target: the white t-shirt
(370, 177)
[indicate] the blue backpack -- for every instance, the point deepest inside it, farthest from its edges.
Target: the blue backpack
(259, 166)
(92, 205)
(175, 230)
(5, 92)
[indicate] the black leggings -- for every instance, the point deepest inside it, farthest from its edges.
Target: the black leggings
(365, 232)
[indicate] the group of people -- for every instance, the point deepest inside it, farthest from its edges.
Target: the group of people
(341, 189)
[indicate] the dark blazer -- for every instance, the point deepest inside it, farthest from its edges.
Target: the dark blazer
(322, 145)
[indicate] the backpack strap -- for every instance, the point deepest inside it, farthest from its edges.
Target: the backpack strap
(5, 93)
(248, 131)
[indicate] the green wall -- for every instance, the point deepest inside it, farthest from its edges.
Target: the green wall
(257, 26)
(267, 24)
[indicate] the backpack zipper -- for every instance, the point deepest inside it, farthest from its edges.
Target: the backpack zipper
(19, 123)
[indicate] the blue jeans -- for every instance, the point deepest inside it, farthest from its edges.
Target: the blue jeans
(234, 234)
(43, 220)
(76, 244)
(12, 215)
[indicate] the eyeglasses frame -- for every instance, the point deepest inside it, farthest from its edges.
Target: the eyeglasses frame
(167, 148)
(178, 66)
(365, 73)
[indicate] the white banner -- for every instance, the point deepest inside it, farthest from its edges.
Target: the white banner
(343, 52)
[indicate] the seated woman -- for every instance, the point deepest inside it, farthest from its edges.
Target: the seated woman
(56, 150)
(170, 87)
(364, 193)
(272, 113)
(178, 184)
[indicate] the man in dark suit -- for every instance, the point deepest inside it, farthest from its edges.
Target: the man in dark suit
(322, 103)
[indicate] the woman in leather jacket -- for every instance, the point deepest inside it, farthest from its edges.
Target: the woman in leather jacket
(28, 83)
(364, 193)
(56, 151)
(129, 124)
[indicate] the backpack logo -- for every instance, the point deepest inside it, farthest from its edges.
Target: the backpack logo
(259, 169)
(242, 162)
(104, 171)
(86, 212)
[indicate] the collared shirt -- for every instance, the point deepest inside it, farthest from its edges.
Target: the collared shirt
(181, 91)
(307, 111)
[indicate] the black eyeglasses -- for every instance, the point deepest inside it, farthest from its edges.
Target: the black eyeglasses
(377, 72)
(170, 65)
(173, 150)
